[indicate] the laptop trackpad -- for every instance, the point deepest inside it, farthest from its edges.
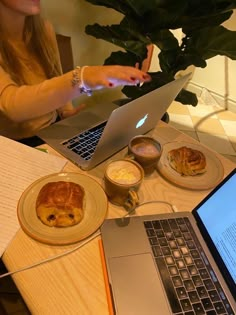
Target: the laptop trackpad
(136, 286)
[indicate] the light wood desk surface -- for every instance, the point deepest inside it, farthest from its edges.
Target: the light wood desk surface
(74, 284)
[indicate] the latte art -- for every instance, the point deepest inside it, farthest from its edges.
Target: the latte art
(124, 172)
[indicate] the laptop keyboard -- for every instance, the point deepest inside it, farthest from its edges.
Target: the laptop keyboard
(191, 285)
(84, 144)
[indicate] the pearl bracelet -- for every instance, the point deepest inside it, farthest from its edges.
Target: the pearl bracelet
(77, 80)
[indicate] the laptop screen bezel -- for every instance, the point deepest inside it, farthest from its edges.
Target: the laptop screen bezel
(219, 261)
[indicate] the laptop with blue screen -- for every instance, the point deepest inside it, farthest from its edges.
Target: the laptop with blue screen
(98, 132)
(180, 263)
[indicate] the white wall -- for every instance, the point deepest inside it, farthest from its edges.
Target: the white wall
(219, 76)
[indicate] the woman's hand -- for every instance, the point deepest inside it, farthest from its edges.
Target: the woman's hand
(98, 77)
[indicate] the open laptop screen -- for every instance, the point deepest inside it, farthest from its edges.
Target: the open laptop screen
(216, 216)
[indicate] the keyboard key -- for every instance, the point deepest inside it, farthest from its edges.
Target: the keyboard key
(166, 251)
(188, 260)
(198, 308)
(184, 274)
(169, 260)
(169, 236)
(193, 296)
(219, 308)
(209, 284)
(180, 241)
(184, 250)
(180, 263)
(207, 304)
(153, 240)
(189, 286)
(177, 281)
(186, 305)
(191, 244)
(183, 228)
(148, 224)
(165, 225)
(180, 221)
(181, 292)
(160, 233)
(176, 253)
(173, 271)
(202, 292)
(187, 236)
(150, 232)
(194, 253)
(163, 241)
(197, 280)
(173, 224)
(214, 296)
(156, 225)
(203, 273)
(177, 233)
(156, 251)
(199, 263)
(173, 245)
(192, 270)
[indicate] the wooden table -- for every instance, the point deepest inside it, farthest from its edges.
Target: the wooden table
(73, 284)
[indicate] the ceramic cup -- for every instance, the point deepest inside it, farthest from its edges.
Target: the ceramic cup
(122, 180)
(146, 151)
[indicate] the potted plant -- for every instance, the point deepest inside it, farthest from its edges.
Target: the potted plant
(151, 22)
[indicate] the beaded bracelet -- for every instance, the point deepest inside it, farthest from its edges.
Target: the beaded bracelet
(77, 80)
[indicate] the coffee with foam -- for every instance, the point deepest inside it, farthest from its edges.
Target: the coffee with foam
(145, 149)
(123, 172)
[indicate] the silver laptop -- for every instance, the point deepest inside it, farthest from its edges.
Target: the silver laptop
(180, 263)
(102, 130)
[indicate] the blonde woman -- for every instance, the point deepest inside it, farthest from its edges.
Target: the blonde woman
(33, 91)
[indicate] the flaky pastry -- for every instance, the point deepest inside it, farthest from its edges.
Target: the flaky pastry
(60, 204)
(187, 161)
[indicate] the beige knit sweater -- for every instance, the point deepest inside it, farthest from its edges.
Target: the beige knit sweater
(26, 109)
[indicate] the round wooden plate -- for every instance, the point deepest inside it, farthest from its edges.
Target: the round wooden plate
(214, 168)
(96, 205)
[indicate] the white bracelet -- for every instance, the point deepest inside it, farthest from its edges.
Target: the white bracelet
(77, 80)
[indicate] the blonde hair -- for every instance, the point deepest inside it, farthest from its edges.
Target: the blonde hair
(39, 43)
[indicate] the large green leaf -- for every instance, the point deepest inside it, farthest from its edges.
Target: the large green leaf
(173, 61)
(213, 41)
(189, 24)
(164, 40)
(117, 36)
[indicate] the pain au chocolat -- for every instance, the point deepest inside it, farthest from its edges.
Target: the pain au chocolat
(187, 161)
(60, 204)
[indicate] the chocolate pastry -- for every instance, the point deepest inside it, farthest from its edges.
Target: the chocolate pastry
(60, 204)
